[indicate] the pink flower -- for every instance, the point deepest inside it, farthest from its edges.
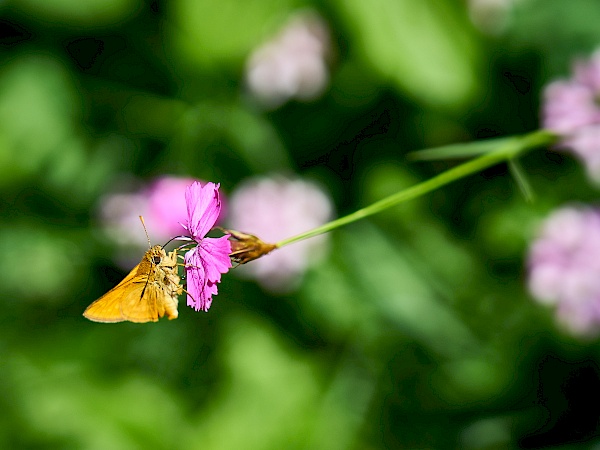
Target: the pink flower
(564, 268)
(274, 209)
(166, 205)
(161, 203)
(209, 259)
(571, 109)
(587, 72)
(568, 107)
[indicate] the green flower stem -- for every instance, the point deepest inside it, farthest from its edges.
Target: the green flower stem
(506, 152)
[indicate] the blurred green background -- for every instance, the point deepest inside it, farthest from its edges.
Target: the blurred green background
(415, 332)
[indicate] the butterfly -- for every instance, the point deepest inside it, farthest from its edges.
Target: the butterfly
(149, 292)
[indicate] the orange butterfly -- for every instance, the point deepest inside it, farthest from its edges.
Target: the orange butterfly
(149, 292)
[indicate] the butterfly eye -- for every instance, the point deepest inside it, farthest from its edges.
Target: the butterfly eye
(156, 260)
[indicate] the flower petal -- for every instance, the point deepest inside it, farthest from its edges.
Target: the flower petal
(196, 281)
(204, 206)
(215, 254)
(204, 266)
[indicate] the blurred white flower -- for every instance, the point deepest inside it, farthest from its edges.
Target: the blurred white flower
(564, 268)
(490, 16)
(291, 65)
(274, 209)
(119, 216)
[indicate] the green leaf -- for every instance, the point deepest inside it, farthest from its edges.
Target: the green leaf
(464, 150)
(88, 12)
(517, 172)
(210, 33)
(387, 278)
(426, 48)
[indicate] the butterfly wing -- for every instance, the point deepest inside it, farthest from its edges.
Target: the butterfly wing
(108, 307)
(158, 297)
(147, 293)
(140, 303)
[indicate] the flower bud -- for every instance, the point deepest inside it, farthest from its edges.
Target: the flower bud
(247, 247)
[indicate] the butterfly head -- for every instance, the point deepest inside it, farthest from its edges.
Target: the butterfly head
(155, 255)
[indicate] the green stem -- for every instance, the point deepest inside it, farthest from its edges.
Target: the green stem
(506, 152)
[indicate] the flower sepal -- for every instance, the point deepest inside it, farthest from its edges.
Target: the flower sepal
(247, 247)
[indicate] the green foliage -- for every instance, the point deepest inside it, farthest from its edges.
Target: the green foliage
(416, 331)
(214, 34)
(427, 48)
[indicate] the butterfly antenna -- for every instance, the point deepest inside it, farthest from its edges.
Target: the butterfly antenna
(178, 238)
(146, 231)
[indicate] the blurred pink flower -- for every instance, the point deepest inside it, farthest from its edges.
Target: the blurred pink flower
(587, 72)
(274, 209)
(166, 204)
(204, 263)
(564, 268)
(568, 107)
(571, 109)
(161, 203)
(291, 65)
